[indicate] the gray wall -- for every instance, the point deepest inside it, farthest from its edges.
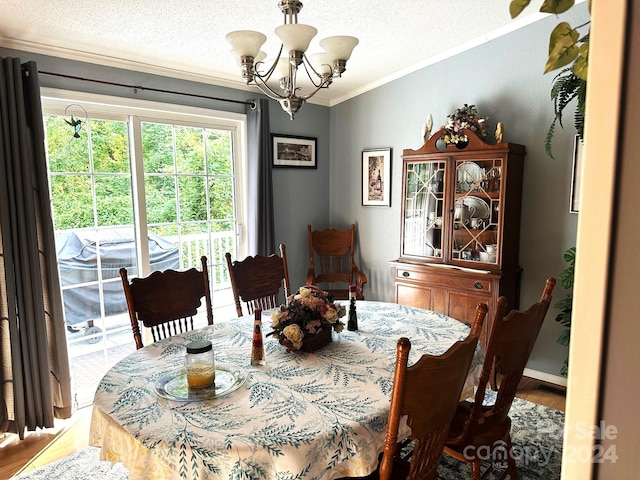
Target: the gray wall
(504, 79)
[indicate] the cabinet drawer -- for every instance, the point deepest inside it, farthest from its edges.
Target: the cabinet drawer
(413, 274)
(452, 279)
(475, 283)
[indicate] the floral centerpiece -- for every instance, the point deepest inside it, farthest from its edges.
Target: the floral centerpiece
(465, 118)
(306, 321)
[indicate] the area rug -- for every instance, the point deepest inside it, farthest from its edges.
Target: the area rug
(536, 434)
(83, 465)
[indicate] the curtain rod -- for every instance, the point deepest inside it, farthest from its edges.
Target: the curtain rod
(151, 89)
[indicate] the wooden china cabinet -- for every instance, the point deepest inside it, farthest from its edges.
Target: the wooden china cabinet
(460, 227)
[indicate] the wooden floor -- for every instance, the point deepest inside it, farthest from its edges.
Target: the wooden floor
(69, 436)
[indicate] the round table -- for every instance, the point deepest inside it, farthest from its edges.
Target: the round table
(302, 415)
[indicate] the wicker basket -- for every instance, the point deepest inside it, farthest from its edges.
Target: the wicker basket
(311, 343)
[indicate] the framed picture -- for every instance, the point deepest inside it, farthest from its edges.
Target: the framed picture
(376, 177)
(292, 151)
(576, 175)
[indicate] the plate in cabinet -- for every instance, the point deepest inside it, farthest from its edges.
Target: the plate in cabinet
(480, 207)
(469, 172)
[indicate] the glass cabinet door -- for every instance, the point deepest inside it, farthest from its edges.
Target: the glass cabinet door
(476, 219)
(423, 209)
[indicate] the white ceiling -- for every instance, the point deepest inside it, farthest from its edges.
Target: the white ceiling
(185, 38)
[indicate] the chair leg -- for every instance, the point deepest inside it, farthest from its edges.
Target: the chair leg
(476, 471)
(512, 470)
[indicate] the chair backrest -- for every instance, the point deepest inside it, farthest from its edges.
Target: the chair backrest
(427, 392)
(510, 343)
(331, 261)
(257, 281)
(166, 301)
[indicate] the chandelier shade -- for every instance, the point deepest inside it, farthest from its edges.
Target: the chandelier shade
(320, 68)
(246, 43)
(295, 36)
(340, 47)
(282, 68)
(321, 63)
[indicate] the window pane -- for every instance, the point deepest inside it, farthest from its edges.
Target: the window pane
(72, 201)
(161, 199)
(219, 160)
(193, 201)
(81, 304)
(189, 150)
(220, 194)
(110, 144)
(114, 203)
(194, 240)
(157, 145)
(65, 152)
(169, 231)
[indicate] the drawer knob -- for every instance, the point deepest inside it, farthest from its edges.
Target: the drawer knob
(405, 274)
(478, 285)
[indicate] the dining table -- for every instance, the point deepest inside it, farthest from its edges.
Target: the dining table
(319, 415)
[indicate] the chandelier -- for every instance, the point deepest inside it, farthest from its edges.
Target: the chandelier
(320, 68)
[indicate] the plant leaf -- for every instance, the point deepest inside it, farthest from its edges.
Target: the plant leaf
(565, 87)
(570, 256)
(562, 47)
(517, 6)
(581, 65)
(564, 337)
(559, 34)
(556, 6)
(564, 306)
(548, 139)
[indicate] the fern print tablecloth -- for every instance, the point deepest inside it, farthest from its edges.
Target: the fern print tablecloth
(318, 415)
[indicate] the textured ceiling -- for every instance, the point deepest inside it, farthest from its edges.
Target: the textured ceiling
(185, 38)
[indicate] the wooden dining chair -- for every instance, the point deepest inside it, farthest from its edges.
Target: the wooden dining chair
(427, 393)
(332, 262)
(258, 281)
(166, 301)
(475, 425)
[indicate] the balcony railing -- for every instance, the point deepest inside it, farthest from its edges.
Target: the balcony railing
(193, 246)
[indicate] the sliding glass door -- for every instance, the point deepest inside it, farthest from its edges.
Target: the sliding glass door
(141, 191)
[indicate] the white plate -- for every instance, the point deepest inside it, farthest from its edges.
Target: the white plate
(469, 172)
(481, 207)
(174, 387)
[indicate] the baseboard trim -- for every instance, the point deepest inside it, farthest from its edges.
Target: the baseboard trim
(545, 377)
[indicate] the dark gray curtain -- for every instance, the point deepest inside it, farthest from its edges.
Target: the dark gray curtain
(35, 383)
(260, 230)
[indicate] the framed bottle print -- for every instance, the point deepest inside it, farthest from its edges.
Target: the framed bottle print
(376, 177)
